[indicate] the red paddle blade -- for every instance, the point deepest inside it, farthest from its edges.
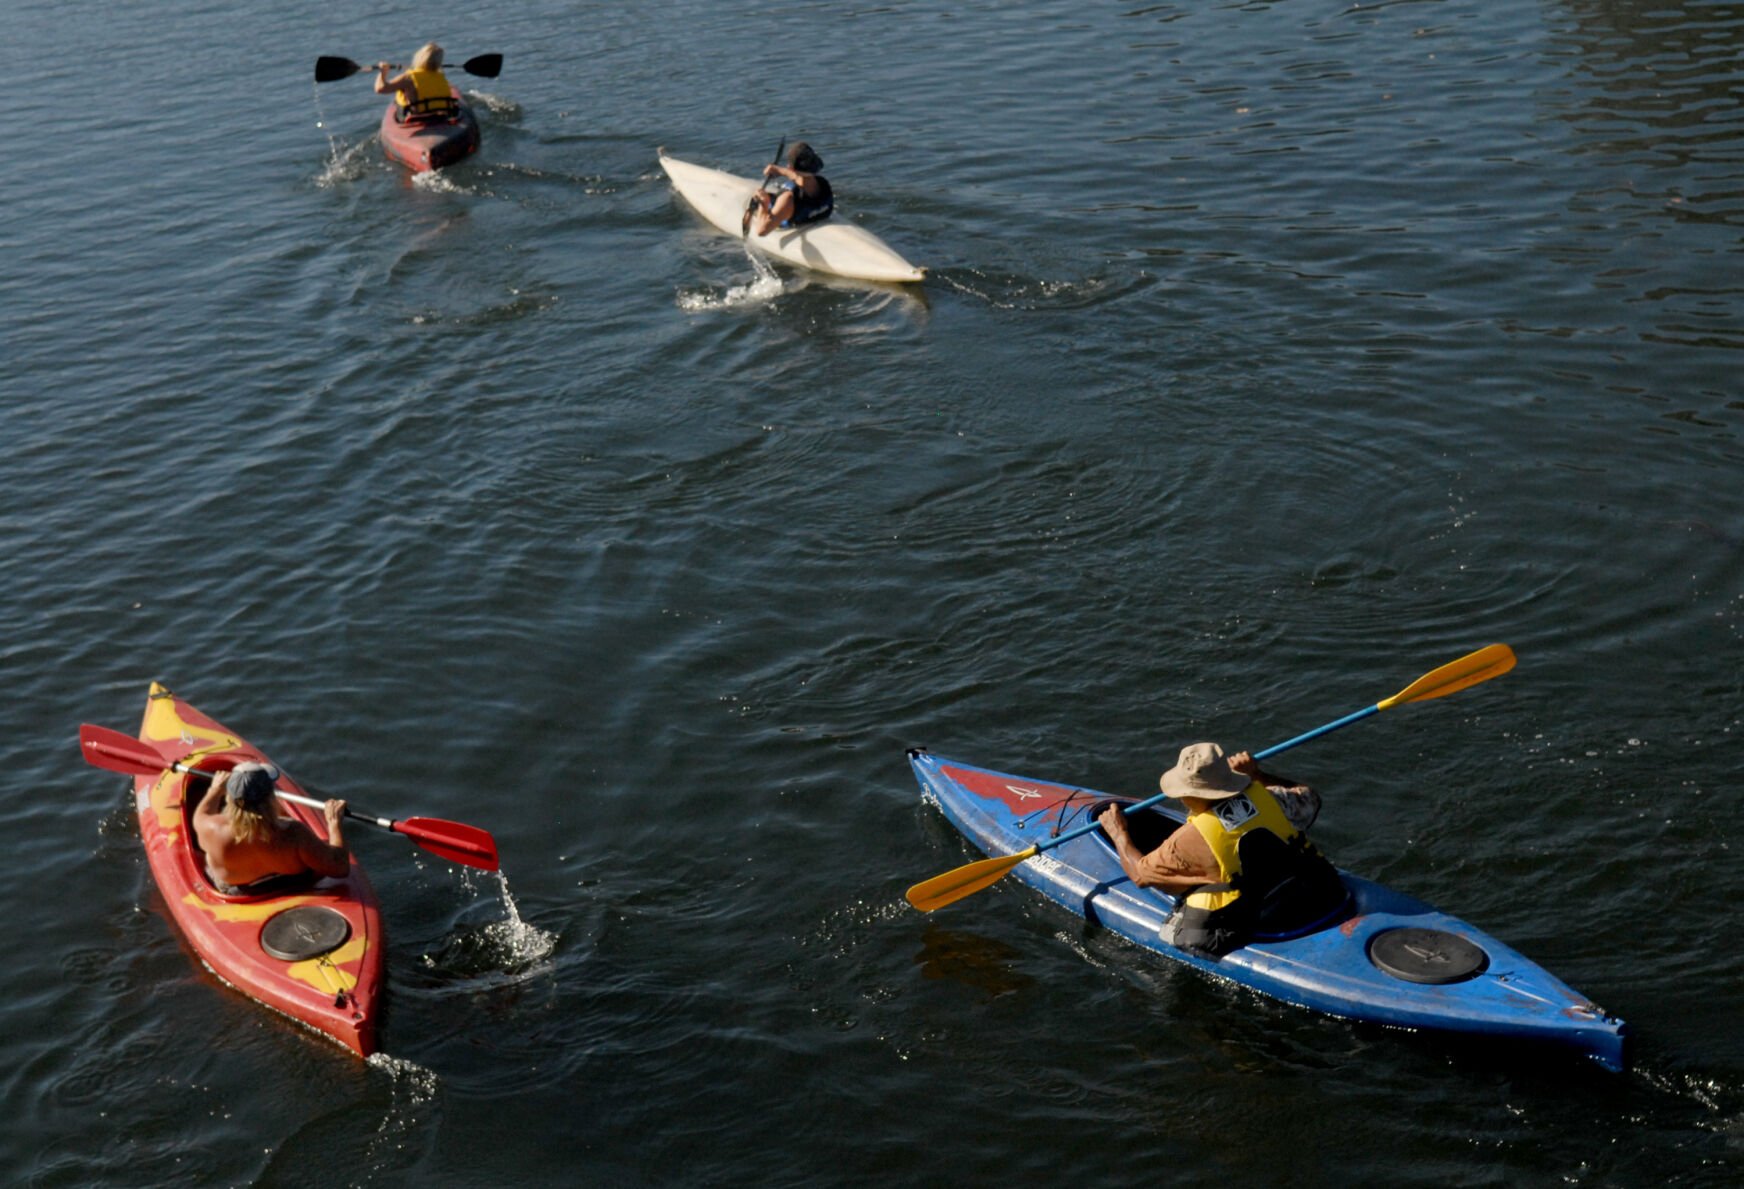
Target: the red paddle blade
(116, 752)
(454, 841)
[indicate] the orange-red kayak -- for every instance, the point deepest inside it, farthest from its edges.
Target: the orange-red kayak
(429, 142)
(314, 954)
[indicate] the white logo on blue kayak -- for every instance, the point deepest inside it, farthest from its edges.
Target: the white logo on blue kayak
(1022, 793)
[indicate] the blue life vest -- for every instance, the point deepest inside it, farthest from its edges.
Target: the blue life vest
(810, 210)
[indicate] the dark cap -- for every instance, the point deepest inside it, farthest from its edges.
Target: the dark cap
(804, 159)
(251, 786)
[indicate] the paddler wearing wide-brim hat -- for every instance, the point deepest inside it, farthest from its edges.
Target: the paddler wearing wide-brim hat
(1202, 771)
(1213, 863)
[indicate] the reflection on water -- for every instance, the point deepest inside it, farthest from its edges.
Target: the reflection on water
(986, 966)
(1657, 109)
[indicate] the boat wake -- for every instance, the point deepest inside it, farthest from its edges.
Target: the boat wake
(419, 1082)
(408, 1112)
(438, 181)
(1017, 291)
(496, 105)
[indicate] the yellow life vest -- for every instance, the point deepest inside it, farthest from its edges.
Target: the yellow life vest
(434, 92)
(1222, 825)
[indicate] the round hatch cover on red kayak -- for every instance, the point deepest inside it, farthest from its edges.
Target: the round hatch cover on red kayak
(1427, 955)
(306, 931)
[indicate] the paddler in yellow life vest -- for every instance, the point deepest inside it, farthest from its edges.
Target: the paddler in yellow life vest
(1241, 865)
(421, 91)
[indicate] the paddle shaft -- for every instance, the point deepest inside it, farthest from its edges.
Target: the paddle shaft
(312, 802)
(454, 841)
(1487, 662)
(1049, 843)
(331, 69)
(316, 803)
(763, 185)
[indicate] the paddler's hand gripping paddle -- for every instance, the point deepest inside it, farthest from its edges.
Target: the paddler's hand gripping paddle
(751, 207)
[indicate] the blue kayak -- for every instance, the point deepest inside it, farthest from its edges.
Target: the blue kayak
(1385, 958)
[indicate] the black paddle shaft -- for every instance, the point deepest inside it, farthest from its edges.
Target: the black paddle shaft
(329, 70)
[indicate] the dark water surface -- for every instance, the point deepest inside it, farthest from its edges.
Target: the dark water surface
(1273, 355)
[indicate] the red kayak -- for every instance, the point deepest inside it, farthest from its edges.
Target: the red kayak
(425, 142)
(313, 954)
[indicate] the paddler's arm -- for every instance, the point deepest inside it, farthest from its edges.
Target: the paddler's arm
(386, 86)
(1301, 804)
(1152, 870)
(212, 803)
(805, 181)
(329, 858)
(1243, 762)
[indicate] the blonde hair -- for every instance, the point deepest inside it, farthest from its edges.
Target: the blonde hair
(247, 825)
(428, 57)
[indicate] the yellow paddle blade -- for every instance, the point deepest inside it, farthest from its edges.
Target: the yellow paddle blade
(1454, 676)
(952, 886)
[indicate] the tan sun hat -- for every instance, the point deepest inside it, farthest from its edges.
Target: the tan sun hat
(1201, 771)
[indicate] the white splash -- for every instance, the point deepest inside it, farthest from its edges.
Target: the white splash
(496, 105)
(522, 944)
(420, 1083)
(762, 290)
(346, 163)
(438, 181)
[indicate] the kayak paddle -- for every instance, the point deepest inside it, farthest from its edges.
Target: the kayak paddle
(1469, 670)
(745, 223)
(454, 841)
(328, 70)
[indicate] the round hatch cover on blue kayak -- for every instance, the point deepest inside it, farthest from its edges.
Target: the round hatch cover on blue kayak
(303, 932)
(1427, 955)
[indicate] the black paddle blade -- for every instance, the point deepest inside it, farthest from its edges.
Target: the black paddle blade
(485, 65)
(328, 70)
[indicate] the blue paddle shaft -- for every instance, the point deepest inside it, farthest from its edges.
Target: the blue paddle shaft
(1318, 731)
(1050, 843)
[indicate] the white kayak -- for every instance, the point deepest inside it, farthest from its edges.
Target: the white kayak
(831, 246)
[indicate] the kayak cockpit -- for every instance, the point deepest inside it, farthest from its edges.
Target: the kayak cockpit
(195, 786)
(439, 109)
(1149, 828)
(425, 138)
